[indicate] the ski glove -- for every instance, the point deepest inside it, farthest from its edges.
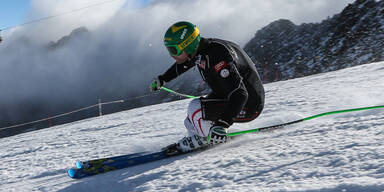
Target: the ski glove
(156, 84)
(218, 133)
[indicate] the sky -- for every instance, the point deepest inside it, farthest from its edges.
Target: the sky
(13, 12)
(123, 49)
(16, 12)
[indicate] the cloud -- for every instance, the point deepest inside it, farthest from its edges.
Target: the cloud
(239, 20)
(70, 15)
(124, 49)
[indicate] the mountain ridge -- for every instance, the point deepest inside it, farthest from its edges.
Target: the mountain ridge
(283, 50)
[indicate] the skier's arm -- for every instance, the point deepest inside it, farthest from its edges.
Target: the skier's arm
(174, 71)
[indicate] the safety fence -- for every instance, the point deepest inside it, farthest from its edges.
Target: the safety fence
(99, 105)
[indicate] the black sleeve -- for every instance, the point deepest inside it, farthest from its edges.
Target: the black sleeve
(175, 70)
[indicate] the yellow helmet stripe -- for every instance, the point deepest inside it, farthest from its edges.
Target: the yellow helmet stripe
(175, 28)
(189, 39)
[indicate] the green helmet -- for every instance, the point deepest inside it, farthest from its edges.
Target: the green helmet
(181, 36)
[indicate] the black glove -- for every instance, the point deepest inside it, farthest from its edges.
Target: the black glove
(218, 132)
(156, 84)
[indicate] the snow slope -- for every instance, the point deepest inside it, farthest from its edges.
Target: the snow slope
(334, 153)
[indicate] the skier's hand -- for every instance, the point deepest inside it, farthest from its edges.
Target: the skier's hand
(156, 84)
(218, 132)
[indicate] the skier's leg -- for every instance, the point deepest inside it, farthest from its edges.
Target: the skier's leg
(211, 108)
(195, 119)
(251, 111)
(197, 127)
(189, 126)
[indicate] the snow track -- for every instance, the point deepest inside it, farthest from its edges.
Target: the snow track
(332, 153)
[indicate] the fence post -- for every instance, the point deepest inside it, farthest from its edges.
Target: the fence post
(100, 110)
(50, 121)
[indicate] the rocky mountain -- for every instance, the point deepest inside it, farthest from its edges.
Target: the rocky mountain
(283, 50)
(79, 33)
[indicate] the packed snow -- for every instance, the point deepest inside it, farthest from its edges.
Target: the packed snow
(341, 152)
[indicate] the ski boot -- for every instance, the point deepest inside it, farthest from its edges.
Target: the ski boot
(186, 144)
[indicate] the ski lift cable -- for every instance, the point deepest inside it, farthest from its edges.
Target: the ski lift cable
(58, 15)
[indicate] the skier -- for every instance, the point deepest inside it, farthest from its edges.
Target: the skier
(237, 92)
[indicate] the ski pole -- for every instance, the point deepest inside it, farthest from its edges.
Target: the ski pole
(303, 119)
(283, 124)
(176, 93)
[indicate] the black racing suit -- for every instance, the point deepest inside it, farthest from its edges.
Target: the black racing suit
(237, 92)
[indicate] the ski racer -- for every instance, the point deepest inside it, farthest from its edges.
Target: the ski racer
(237, 91)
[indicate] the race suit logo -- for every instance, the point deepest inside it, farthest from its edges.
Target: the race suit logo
(201, 63)
(224, 73)
(220, 66)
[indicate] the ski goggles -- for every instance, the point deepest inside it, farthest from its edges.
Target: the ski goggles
(174, 50)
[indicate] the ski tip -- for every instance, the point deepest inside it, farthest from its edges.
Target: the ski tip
(79, 165)
(71, 173)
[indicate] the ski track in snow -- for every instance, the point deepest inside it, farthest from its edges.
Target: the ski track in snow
(333, 153)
